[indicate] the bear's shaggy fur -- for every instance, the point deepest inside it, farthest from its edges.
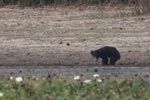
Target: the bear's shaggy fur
(109, 55)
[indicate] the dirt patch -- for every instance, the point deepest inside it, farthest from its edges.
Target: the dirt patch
(65, 36)
(114, 72)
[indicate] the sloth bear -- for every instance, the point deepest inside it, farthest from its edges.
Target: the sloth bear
(109, 55)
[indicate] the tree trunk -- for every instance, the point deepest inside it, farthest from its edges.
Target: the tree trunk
(42, 2)
(1, 2)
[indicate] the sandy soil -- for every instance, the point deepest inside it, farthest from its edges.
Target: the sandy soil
(66, 35)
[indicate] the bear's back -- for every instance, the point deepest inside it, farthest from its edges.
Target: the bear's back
(109, 51)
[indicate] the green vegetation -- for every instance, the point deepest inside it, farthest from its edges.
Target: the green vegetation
(54, 88)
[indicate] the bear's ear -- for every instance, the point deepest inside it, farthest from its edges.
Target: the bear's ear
(92, 51)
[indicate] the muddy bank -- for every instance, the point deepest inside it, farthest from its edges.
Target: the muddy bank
(70, 72)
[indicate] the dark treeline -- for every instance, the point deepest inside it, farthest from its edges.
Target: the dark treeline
(68, 2)
(139, 6)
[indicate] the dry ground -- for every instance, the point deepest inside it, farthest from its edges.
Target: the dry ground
(66, 35)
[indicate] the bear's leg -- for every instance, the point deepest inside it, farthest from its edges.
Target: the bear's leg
(105, 61)
(112, 61)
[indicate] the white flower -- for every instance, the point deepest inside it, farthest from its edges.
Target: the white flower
(33, 77)
(1, 94)
(19, 79)
(43, 78)
(99, 80)
(114, 93)
(87, 81)
(37, 78)
(96, 75)
(76, 78)
(11, 78)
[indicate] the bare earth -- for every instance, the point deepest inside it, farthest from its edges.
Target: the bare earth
(66, 35)
(113, 72)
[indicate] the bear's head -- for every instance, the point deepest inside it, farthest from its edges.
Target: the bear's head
(93, 53)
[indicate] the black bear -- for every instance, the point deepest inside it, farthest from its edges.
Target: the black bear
(107, 54)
